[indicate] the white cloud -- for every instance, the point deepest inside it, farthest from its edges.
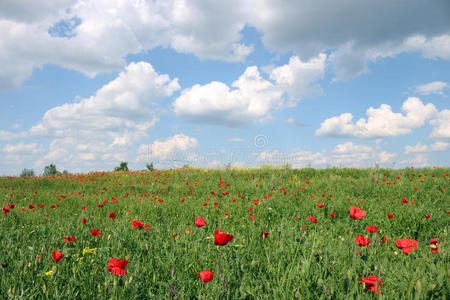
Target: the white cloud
(420, 148)
(103, 127)
(350, 148)
(440, 146)
(385, 157)
(110, 30)
(417, 148)
(435, 87)
(291, 120)
(298, 78)
(441, 125)
(297, 158)
(346, 154)
(418, 160)
(253, 99)
(172, 149)
(299, 26)
(360, 155)
(29, 11)
(22, 148)
(127, 103)
(210, 30)
(235, 140)
(8, 135)
(381, 122)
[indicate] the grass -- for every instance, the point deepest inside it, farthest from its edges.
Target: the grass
(319, 262)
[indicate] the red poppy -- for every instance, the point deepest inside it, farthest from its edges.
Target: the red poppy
(427, 216)
(264, 234)
(390, 216)
(95, 232)
(147, 227)
(384, 239)
(372, 228)
(252, 217)
(137, 224)
(320, 205)
(83, 220)
(205, 275)
(332, 214)
(372, 283)
(303, 228)
(434, 248)
(405, 201)
(312, 219)
(362, 241)
(406, 245)
(357, 213)
(117, 266)
(69, 239)
(5, 210)
(57, 255)
(221, 238)
(199, 222)
(111, 215)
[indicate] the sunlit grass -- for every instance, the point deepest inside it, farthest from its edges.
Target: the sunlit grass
(318, 262)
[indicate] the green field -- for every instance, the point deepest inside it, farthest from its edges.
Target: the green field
(298, 258)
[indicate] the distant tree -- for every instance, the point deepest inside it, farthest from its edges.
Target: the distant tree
(27, 173)
(123, 166)
(150, 167)
(50, 170)
(65, 172)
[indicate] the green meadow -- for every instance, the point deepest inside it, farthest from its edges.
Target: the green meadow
(297, 259)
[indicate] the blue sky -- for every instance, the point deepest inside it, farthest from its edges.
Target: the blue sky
(88, 84)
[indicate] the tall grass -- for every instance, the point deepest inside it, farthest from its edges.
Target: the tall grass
(320, 262)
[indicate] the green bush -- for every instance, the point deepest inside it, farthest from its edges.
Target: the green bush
(27, 173)
(123, 167)
(50, 170)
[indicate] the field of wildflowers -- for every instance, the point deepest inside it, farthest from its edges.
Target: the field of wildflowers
(235, 233)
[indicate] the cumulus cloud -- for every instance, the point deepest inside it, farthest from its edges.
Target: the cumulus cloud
(213, 30)
(175, 148)
(252, 99)
(127, 103)
(420, 148)
(435, 87)
(299, 78)
(347, 154)
(107, 31)
(20, 155)
(381, 122)
(104, 126)
(350, 148)
(22, 148)
(441, 125)
(360, 155)
(349, 32)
